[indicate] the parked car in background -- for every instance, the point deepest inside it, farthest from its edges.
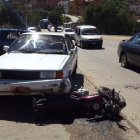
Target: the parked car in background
(59, 29)
(49, 27)
(129, 51)
(88, 36)
(8, 35)
(38, 63)
(44, 23)
(33, 29)
(52, 29)
(69, 31)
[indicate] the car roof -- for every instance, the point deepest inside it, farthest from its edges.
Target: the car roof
(85, 26)
(31, 27)
(47, 33)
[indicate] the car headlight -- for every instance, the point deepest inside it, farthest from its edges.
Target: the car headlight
(51, 75)
(83, 39)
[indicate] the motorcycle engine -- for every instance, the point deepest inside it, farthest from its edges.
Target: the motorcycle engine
(83, 92)
(96, 106)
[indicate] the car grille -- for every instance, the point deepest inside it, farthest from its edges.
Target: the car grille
(93, 39)
(20, 75)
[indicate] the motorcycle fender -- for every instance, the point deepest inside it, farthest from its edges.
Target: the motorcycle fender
(91, 97)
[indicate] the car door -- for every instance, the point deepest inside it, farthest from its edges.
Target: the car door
(133, 50)
(72, 50)
(137, 55)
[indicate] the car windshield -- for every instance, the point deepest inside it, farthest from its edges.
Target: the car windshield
(35, 43)
(69, 30)
(90, 31)
(59, 28)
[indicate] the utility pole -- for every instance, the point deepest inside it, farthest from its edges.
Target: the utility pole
(26, 18)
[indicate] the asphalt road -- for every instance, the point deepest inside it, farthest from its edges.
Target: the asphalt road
(101, 67)
(96, 67)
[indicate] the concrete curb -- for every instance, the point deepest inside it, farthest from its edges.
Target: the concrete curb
(116, 36)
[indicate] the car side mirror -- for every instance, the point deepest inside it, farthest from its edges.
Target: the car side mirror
(5, 48)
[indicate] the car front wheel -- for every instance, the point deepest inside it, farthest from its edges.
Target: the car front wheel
(124, 62)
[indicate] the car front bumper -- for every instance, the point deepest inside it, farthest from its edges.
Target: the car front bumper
(34, 87)
(92, 42)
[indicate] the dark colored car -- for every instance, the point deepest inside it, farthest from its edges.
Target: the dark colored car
(7, 36)
(129, 51)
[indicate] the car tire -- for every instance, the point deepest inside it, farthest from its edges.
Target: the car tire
(123, 60)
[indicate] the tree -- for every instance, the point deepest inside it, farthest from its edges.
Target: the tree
(66, 19)
(111, 17)
(4, 17)
(33, 16)
(55, 16)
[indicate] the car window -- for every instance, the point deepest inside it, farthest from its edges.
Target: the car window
(90, 31)
(39, 44)
(59, 28)
(69, 30)
(135, 39)
(12, 35)
(3, 34)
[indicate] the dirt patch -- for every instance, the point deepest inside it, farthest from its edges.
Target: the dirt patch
(84, 130)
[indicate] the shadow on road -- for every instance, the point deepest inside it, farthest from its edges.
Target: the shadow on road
(135, 69)
(19, 108)
(93, 48)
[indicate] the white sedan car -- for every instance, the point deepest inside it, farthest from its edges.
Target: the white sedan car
(69, 31)
(33, 29)
(38, 63)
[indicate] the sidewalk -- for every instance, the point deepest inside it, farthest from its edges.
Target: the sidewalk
(117, 36)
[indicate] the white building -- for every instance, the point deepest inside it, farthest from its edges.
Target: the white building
(64, 3)
(135, 9)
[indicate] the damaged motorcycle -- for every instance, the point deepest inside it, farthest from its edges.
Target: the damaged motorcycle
(105, 103)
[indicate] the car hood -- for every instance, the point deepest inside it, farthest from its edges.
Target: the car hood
(23, 61)
(91, 36)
